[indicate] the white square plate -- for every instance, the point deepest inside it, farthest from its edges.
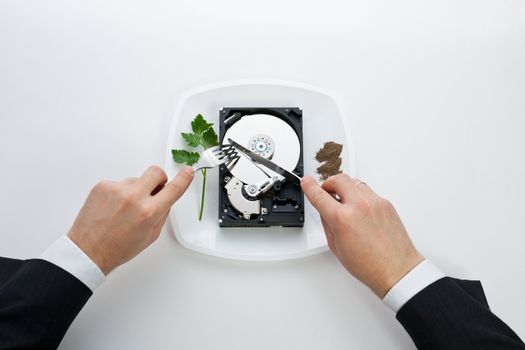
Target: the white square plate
(322, 121)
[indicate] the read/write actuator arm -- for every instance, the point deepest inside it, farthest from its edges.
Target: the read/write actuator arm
(249, 206)
(254, 190)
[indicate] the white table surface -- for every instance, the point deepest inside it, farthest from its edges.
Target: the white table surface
(436, 97)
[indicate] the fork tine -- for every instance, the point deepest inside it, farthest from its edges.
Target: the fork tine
(218, 155)
(231, 155)
(230, 150)
(232, 162)
(219, 148)
(225, 150)
(226, 156)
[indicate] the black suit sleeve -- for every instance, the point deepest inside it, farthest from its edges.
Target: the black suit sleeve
(454, 314)
(38, 302)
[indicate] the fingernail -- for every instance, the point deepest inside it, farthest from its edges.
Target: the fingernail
(188, 170)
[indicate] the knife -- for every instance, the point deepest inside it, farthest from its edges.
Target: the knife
(267, 163)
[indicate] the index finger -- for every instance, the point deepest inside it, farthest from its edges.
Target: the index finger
(342, 185)
(320, 199)
(153, 177)
(174, 189)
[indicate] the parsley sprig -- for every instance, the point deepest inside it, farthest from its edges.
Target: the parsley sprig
(202, 135)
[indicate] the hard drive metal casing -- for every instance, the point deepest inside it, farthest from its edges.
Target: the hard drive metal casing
(283, 205)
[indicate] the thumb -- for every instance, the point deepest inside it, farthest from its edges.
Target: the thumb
(174, 189)
(320, 199)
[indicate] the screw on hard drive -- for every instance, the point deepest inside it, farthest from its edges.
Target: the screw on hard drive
(227, 178)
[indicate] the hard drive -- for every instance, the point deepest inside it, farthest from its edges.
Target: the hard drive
(251, 195)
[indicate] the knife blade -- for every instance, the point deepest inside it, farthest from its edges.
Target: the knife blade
(267, 163)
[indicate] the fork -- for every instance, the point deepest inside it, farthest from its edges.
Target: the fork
(217, 155)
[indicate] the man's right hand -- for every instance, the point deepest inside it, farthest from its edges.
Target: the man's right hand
(120, 219)
(364, 231)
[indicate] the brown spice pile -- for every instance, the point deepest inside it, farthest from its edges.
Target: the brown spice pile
(330, 154)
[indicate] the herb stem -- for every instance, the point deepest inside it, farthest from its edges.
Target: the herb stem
(203, 191)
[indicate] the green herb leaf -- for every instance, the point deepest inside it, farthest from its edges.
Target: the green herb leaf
(191, 139)
(200, 125)
(209, 138)
(202, 135)
(182, 156)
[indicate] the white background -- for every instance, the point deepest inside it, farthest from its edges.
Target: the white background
(435, 93)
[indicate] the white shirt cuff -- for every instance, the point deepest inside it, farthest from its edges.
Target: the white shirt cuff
(421, 276)
(66, 254)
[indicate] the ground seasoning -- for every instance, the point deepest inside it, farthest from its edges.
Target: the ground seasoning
(330, 158)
